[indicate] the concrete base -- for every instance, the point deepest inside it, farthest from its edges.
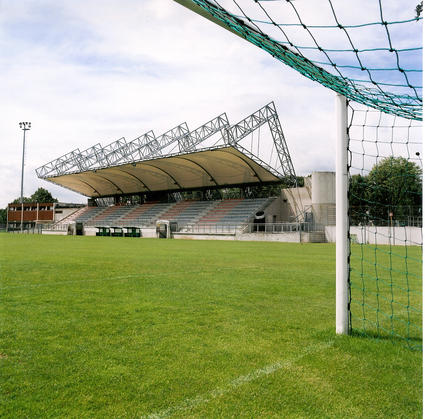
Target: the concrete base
(186, 236)
(289, 237)
(54, 232)
(396, 236)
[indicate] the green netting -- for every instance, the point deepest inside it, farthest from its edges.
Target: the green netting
(370, 52)
(377, 63)
(385, 212)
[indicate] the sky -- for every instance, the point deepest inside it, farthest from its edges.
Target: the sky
(93, 71)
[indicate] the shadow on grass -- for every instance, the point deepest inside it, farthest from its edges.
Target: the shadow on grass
(413, 343)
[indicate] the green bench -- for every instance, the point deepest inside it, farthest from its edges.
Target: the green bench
(117, 232)
(133, 232)
(103, 231)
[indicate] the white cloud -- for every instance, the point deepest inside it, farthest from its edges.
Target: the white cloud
(91, 71)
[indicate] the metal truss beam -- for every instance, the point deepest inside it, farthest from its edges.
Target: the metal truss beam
(192, 139)
(282, 148)
(147, 146)
(61, 164)
(267, 114)
(94, 157)
(86, 158)
(237, 132)
(109, 154)
(154, 146)
(258, 160)
(119, 151)
(131, 151)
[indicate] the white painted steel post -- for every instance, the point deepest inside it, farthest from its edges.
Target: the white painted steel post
(342, 234)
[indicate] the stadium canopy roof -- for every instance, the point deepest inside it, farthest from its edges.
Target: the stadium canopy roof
(150, 163)
(203, 169)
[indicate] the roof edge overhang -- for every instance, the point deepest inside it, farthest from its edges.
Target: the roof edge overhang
(209, 168)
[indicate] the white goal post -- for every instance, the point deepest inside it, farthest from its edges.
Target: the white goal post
(342, 229)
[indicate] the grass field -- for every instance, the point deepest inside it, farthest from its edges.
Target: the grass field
(386, 291)
(129, 328)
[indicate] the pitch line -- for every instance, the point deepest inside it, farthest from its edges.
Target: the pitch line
(124, 277)
(189, 404)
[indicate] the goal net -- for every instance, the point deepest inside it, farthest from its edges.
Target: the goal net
(368, 52)
(385, 218)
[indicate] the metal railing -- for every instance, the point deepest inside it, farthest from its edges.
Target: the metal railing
(211, 228)
(251, 228)
(54, 227)
(26, 230)
(275, 227)
(282, 227)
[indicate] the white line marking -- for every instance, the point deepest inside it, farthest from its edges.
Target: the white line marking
(234, 384)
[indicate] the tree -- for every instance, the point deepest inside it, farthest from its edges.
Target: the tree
(42, 195)
(357, 199)
(394, 185)
(358, 187)
(25, 199)
(3, 216)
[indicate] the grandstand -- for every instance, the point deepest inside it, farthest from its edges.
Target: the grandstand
(186, 212)
(211, 187)
(136, 183)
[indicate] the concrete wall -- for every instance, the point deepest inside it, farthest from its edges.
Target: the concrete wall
(273, 212)
(294, 201)
(204, 236)
(323, 197)
(323, 188)
(54, 232)
(65, 213)
(398, 236)
(148, 232)
(289, 237)
(90, 231)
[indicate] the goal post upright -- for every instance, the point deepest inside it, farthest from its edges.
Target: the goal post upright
(342, 228)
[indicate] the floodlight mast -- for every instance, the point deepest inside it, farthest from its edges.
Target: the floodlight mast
(25, 126)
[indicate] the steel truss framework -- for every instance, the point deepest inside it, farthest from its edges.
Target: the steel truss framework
(148, 146)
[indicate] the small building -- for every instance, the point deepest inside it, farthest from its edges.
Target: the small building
(34, 213)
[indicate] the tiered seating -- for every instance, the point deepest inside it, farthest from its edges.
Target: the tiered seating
(230, 212)
(219, 211)
(146, 214)
(89, 214)
(188, 212)
(110, 216)
(234, 211)
(244, 211)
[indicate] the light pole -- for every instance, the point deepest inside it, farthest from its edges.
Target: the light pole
(25, 126)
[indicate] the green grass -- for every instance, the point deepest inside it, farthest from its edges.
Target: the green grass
(386, 291)
(126, 328)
